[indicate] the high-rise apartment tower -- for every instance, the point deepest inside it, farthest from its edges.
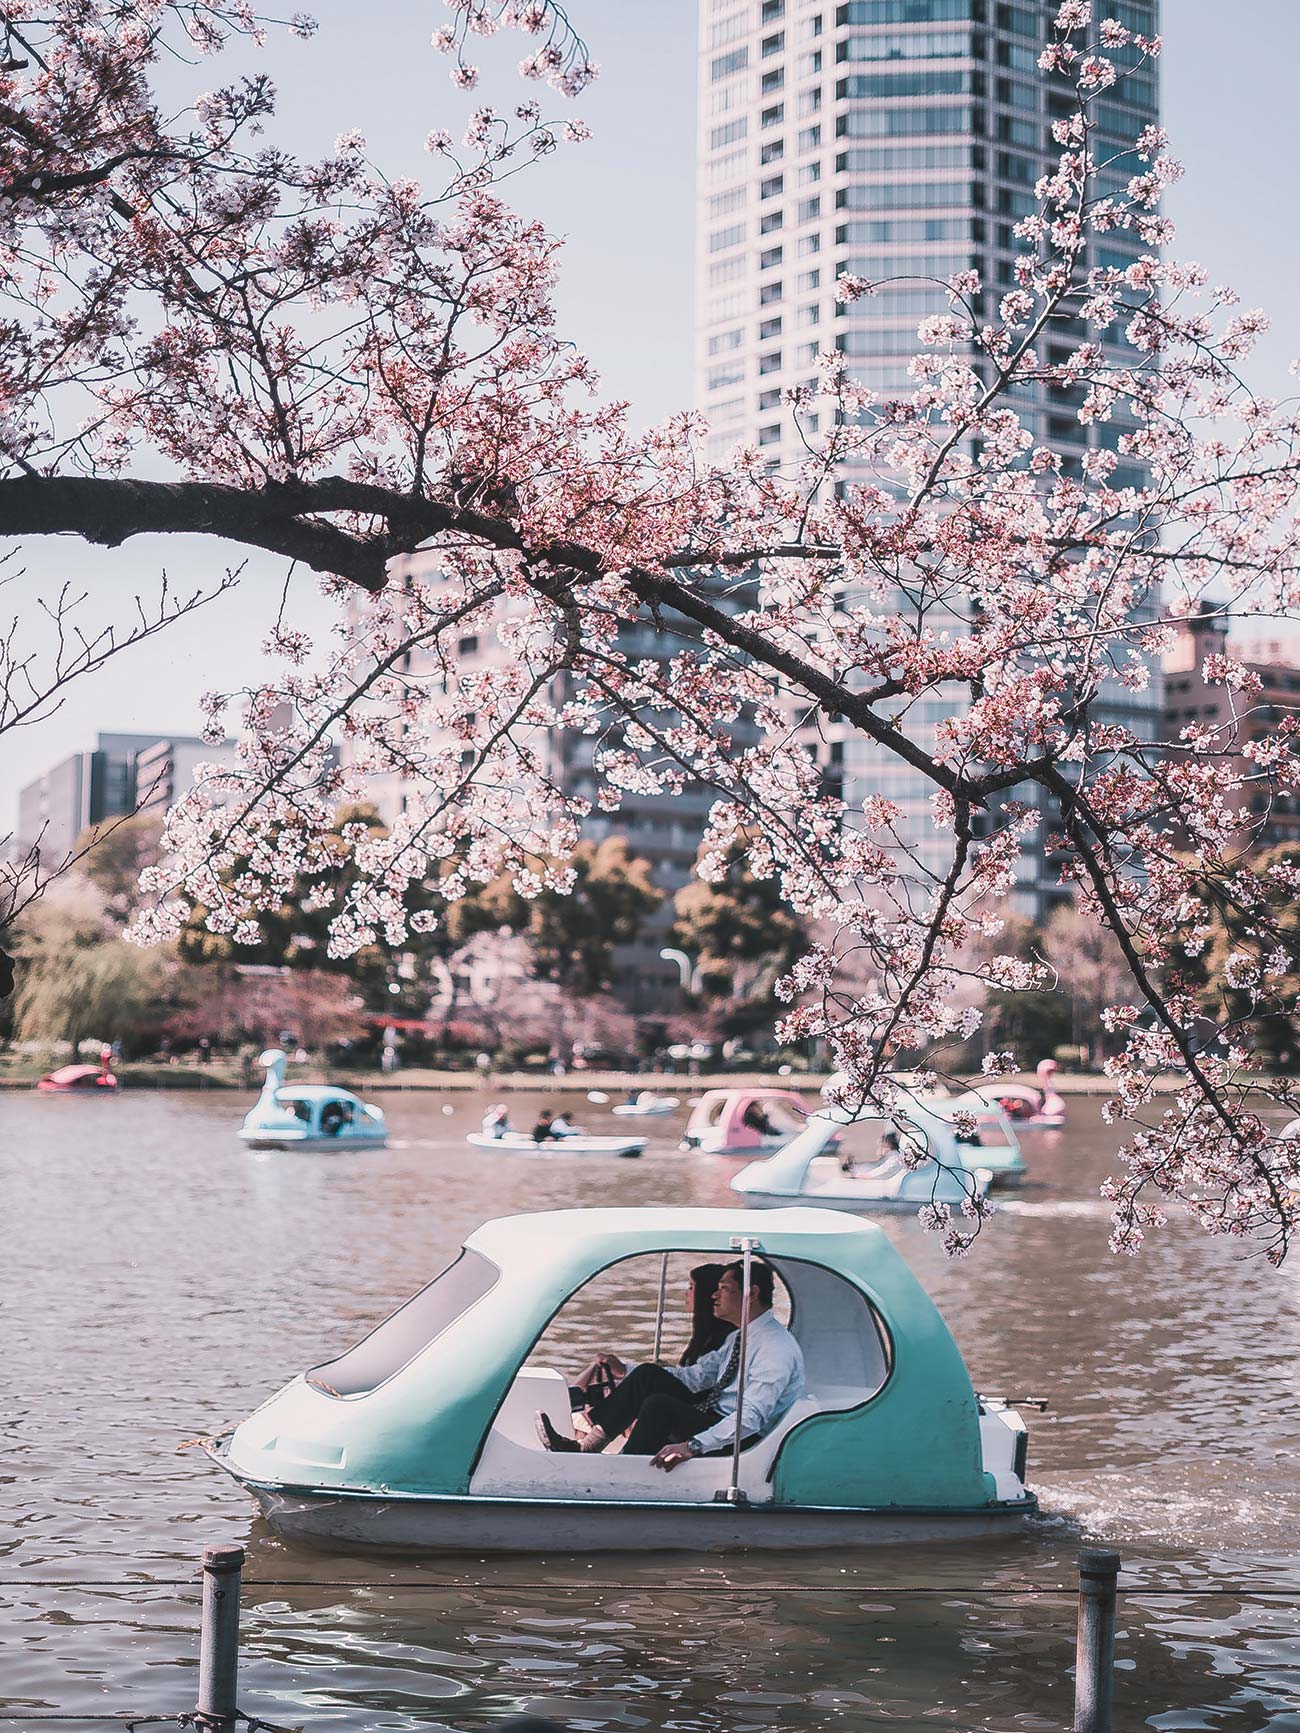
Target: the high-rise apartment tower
(888, 138)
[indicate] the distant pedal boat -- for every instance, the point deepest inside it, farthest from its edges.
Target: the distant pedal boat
(868, 1161)
(646, 1106)
(575, 1143)
(422, 1436)
(309, 1116)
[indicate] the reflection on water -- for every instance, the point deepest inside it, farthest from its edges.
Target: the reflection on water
(159, 1281)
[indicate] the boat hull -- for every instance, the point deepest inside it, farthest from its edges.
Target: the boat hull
(482, 1525)
(279, 1140)
(854, 1205)
(624, 1148)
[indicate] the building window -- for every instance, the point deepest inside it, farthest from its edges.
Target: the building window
(767, 259)
(935, 45)
(772, 152)
(728, 237)
(773, 185)
(809, 244)
(467, 646)
(726, 64)
(722, 204)
(771, 81)
(773, 220)
(770, 363)
(810, 64)
(769, 293)
(809, 280)
(772, 116)
(809, 209)
(772, 44)
(729, 133)
(725, 341)
(810, 139)
(770, 435)
(811, 315)
(730, 373)
(727, 30)
(771, 9)
(810, 102)
(770, 399)
(769, 328)
(810, 173)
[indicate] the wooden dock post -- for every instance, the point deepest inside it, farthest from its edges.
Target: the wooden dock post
(1094, 1665)
(219, 1638)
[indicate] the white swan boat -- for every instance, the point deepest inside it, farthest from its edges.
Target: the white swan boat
(573, 1143)
(423, 1435)
(309, 1116)
(646, 1106)
(867, 1161)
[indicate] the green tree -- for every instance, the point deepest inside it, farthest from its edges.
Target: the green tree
(77, 982)
(1091, 972)
(739, 931)
(115, 856)
(1234, 930)
(572, 937)
(1030, 1024)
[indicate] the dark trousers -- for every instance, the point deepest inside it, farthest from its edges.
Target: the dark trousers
(658, 1407)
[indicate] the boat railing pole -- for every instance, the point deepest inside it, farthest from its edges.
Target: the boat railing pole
(659, 1315)
(217, 1707)
(747, 1248)
(1094, 1666)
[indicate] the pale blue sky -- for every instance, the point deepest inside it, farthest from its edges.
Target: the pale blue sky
(624, 204)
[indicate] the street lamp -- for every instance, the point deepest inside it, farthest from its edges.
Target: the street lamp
(691, 979)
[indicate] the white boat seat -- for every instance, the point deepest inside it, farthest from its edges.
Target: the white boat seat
(513, 1463)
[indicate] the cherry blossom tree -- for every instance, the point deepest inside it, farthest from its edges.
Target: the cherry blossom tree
(205, 335)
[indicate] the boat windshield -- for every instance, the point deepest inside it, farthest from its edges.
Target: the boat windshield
(408, 1330)
(868, 1142)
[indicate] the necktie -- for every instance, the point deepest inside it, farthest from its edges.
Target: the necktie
(704, 1398)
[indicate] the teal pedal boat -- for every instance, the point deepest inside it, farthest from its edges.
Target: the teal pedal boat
(423, 1436)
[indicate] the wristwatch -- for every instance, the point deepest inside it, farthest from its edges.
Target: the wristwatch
(695, 1447)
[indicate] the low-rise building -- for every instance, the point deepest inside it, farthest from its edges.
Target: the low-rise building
(1273, 815)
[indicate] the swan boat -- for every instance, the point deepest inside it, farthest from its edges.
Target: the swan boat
(80, 1080)
(730, 1121)
(309, 1116)
(646, 1106)
(572, 1143)
(868, 1161)
(423, 1435)
(989, 1142)
(1024, 1105)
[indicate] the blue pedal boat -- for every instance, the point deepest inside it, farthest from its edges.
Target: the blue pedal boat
(423, 1435)
(309, 1116)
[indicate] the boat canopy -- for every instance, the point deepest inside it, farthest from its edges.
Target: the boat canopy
(410, 1410)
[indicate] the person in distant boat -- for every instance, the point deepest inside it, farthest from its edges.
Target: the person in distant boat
(563, 1126)
(755, 1117)
(496, 1121)
(674, 1416)
(544, 1128)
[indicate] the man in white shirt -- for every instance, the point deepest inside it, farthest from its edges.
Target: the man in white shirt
(691, 1411)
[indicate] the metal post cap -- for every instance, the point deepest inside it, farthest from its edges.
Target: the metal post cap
(223, 1558)
(1099, 1563)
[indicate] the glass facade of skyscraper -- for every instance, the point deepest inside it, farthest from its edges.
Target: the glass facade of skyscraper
(894, 139)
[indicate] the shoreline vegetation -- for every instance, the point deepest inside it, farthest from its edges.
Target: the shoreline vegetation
(21, 1072)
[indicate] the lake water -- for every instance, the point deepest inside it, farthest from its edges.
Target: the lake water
(158, 1281)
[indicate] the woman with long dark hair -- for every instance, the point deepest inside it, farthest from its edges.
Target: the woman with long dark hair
(708, 1331)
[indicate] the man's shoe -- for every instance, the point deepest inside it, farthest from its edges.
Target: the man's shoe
(551, 1439)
